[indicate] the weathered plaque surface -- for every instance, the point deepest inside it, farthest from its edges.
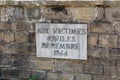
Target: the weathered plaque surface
(68, 41)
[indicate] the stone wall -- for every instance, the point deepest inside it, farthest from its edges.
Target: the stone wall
(18, 59)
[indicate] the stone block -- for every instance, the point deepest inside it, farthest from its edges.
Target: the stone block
(119, 42)
(2, 26)
(118, 63)
(8, 37)
(83, 77)
(68, 66)
(104, 62)
(60, 76)
(33, 13)
(5, 63)
(14, 26)
(57, 13)
(83, 14)
(32, 48)
(1, 36)
(2, 47)
(111, 71)
(7, 26)
(92, 69)
(101, 77)
(52, 76)
(99, 53)
(31, 38)
(44, 65)
(112, 14)
(16, 73)
(102, 27)
(111, 3)
(65, 76)
(115, 53)
(11, 14)
(23, 48)
(10, 48)
(92, 39)
(22, 25)
(3, 56)
(110, 41)
(40, 75)
(113, 78)
(22, 64)
(100, 13)
(117, 27)
(19, 55)
(20, 37)
(98, 77)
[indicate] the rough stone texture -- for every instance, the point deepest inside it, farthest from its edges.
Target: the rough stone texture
(99, 53)
(31, 38)
(8, 37)
(111, 71)
(11, 14)
(115, 53)
(17, 73)
(101, 27)
(20, 37)
(2, 26)
(83, 14)
(57, 13)
(1, 35)
(93, 69)
(116, 24)
(67, 77)
(92, 39)
(56, 76)
(65, 66)
(32, 48)
(119, 42)
(23, 48)
(21, 56)
(117, 63)
(83, 77)
(100, 77)
(100, 14)
(33, 13)
(112, 14)
(22, 64)
(5, 62)
(108, 41)
(104, 62)
(10, 48)
(52, 76)
(44, 65)
(22, 25)
(41, 75)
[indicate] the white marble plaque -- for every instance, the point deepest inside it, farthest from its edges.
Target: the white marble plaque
(68, 41)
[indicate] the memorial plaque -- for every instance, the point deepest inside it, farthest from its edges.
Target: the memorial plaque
(68, 41)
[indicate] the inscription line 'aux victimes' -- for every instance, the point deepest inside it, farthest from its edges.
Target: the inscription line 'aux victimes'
(67, 41)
